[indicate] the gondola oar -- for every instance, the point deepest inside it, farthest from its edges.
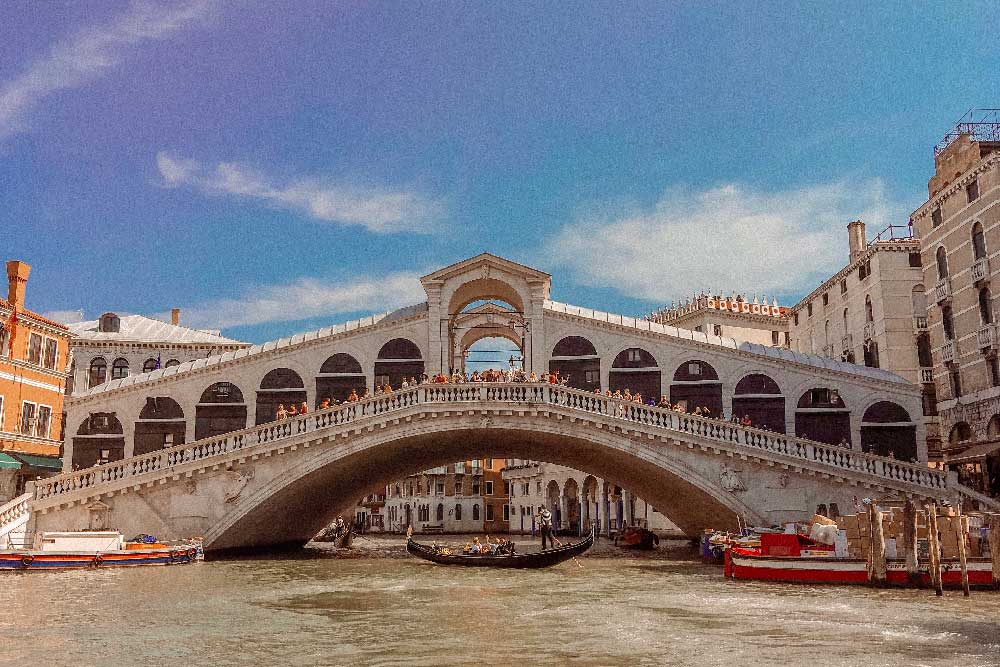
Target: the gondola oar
(556, 540)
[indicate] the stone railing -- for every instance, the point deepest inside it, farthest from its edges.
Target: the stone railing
(942, 290)
(986, 336)
(974, 500)
(276, 434)
(13, 515)
(980, 270)
(948, 351)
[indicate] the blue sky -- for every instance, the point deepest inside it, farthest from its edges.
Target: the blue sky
(275, 167)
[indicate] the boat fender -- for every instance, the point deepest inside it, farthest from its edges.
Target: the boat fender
(97, 561)
(26, 560)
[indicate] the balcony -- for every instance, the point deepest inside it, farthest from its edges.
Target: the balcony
(948, 352)
(942, 291)
(981, 271)
(986, 337)
(476, 470)
(920, 323)
(869, 330)
(927, 375)
(847, 343)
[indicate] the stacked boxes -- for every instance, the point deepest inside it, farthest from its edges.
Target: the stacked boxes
(858, 532)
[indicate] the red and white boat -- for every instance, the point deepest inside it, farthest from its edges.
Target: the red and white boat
(797, 559)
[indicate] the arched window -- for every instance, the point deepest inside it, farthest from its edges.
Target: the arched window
(109, 323)
(978, 241)
(576, 357)
(869, 313)
(475, 512)
(98, 371)
(119, 369)
(149, 366)
(440, 512)
(458, 511)
(986, 306)
(942, 262)
(946, 324)
(826, 334)
(172, 362)
(919, 298)
(960, 432)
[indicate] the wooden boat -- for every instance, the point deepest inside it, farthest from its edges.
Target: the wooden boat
(538, 559)
(638, 538)
(79, 550)
(344, 540)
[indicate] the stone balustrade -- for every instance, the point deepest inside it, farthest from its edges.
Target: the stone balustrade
(14, 514)
(756, 442)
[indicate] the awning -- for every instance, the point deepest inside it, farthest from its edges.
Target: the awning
(35, 461)
(975, 453)
(8, 462)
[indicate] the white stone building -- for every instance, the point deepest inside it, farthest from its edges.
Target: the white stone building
(743, 319)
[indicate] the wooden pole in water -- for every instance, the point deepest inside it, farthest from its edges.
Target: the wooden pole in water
(962, 527)
(934, 567)
(994, 537)
(878, 546)
(910, 542)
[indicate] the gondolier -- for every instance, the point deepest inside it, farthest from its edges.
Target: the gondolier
(544, 517)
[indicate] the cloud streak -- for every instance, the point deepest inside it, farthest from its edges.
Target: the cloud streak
(379, 210)
(91, 53)
(730, 237)
(306, 298)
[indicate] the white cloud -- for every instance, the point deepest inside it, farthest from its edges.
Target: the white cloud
(91, 53)
(65, 316)
(307, 298)
(729, 238)
(378, 209)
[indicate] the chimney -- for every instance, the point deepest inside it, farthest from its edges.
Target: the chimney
(17, 280)
(856, 239)
(175, 316)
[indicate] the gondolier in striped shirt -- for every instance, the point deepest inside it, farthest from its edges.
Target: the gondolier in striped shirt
(544, 517)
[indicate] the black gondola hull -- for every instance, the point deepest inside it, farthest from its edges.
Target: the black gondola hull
(536, 560)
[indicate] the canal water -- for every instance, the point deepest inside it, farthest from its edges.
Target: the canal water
(327, 611)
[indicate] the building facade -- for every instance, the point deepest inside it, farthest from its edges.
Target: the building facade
(736, 316)
(959, 227)
(873, 312)
(34, 353)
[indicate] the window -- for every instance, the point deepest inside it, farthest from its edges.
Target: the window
(774, 338)
(489, 464)
(172, 362)
(795, 319)
(98, 371)
(51, 353)
(439, 515)
(869, 313)
(788, 339)
(694, 368)
(949, 330)
(809, 309)
(717, 329)
(475, 512)
(35, 349)
(924, 350)
(972, 190)
(28, 417)
(439, 488)
(826, 298)
(489, 488)
(1, 413)
(915, 259)
(381, 380)
(865, 269)
(538, 488)
(507, 489)
(475, 487)
(506, 512)
(986, 306)
(119, 369)
(994, 371)
(149, 365)
(956, 383)
(458, 485)
(843, 286)
(109, 323)
(633, 355)
(978, 241)
(591, 377)
(871, 354)
(42, 421)
(458, 511)
(489, 512)
(928, 398)
(941, 257)
(936, 218)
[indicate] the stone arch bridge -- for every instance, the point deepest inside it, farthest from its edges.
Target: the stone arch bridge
(279, 483)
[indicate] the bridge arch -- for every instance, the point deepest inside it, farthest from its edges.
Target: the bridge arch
(696, 384)
(888, 430)
(221, 409)
(397, 359)
(280, 386)
(160, 424)
(636, 369)
(333, 478)
(577, 357)
(100, 438)
(338, 376)
(758, 396)
(822, 415)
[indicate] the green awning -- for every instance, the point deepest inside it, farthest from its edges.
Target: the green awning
(8, 462)
(35, 461)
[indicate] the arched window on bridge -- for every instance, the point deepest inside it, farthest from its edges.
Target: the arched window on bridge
(697, 385)
(99, 439)
(397, 359)
(822, 416)
(338, 375)
(577, 357)
(758, 396)
(220, 409)
(636, 369)
(280, 386)
(886, 429)
(160, 424)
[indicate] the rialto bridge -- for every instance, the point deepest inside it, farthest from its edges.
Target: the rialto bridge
(192, 449)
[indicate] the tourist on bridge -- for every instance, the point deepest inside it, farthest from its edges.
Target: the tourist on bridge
(303, 408)
(281, 413)
(544, 518)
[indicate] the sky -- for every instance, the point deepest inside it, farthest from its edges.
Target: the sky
(275, 167)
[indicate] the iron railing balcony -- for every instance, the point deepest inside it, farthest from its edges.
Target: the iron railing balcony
(948, 352)
(981, 270)
(942, 291)
(986, 337)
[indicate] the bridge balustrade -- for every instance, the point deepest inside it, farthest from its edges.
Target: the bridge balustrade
(519, 393)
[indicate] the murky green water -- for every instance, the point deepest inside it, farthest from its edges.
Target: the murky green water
(406, 612)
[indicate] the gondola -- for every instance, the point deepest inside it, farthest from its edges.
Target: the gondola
(344, 541)
(534, 560)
